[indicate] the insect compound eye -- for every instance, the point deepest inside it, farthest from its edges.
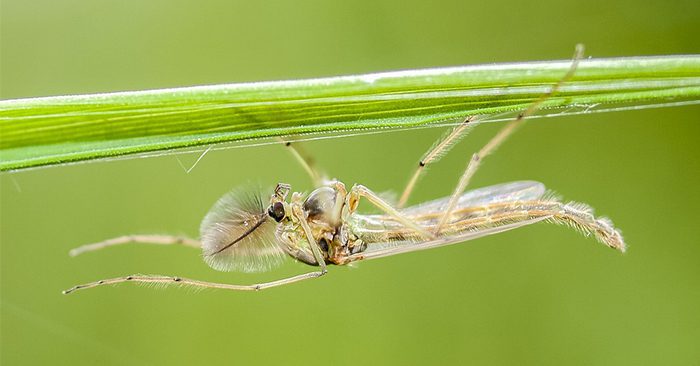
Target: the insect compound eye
(276, 211)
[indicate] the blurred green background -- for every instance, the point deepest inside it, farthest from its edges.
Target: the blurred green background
(537, 295)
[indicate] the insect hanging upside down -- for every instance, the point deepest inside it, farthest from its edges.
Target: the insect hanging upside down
(241, 232)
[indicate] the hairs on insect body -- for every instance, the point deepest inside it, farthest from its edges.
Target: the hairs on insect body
(238, 235)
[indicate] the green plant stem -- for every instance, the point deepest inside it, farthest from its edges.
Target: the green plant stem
(53, 130)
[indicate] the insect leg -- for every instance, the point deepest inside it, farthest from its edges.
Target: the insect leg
(127, 239)
(174, 280)
(435, 153)
(169, 280)
(305, 160)
(353, 200)
(297, 211)
(502, 135)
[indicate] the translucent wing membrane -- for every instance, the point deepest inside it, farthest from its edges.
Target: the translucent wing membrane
(405, 245)
(512, 191)
(237, 234)
(478, 213)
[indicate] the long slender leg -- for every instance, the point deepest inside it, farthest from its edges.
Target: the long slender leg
(435, 153)
(305, 160)
(166, 280)
(501, 136)
(127, 239)
(298, 212)
(359, 190)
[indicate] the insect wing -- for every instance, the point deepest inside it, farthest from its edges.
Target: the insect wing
(506, 192)
(378, 250)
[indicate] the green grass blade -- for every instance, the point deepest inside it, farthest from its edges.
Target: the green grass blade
(53, 130)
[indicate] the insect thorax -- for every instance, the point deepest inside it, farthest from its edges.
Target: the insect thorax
(324, 210)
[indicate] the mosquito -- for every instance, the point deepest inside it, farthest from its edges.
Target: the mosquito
(324, 228)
